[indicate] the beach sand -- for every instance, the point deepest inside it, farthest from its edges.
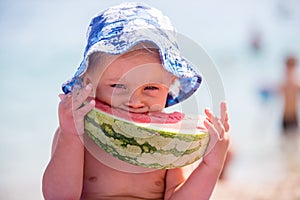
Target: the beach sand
(286, 188)
(278, 180)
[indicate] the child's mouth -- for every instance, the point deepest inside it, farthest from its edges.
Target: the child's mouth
(142, 115)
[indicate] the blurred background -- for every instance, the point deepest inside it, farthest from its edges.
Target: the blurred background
(42, 44)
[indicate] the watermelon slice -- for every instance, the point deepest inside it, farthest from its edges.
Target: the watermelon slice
(155, 140)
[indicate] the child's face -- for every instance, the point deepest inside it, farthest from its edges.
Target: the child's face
(135, 82)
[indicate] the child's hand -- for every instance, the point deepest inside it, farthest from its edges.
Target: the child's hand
(71, 110)
(219, 130)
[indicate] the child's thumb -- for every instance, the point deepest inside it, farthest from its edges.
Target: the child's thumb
(61, 96)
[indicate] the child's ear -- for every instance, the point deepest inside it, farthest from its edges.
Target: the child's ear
(87, 80)
(173, 79)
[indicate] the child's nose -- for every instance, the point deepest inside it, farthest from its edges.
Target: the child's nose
(135, 101)
(135, 104)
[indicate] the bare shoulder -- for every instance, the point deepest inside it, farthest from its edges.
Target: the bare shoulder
(55, 140)
(298, 85)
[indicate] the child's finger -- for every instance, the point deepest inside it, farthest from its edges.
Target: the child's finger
(65, 100)
(219, 127)
(79, 116)
(224, 116)
(80, 96)
(214, 136)
(209, 114)
(213, 129)
(83, 110)
(61, 96)
(207, 124)
(223, 107)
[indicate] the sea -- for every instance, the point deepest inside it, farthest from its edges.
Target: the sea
(244, 43)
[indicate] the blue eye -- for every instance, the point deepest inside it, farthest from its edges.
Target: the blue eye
(121, 86)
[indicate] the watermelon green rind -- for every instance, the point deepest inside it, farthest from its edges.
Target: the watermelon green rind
(144, 146)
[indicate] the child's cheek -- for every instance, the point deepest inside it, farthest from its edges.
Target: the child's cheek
(153, 93)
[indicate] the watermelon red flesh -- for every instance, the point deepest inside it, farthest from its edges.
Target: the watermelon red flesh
(151, 117)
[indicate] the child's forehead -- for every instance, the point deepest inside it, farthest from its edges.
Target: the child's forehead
(136, 63)
(140, 60)
(145, 52)
(143, 48)
(140, 55)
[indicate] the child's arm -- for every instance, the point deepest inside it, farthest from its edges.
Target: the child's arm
(201, 182)
(63, 176)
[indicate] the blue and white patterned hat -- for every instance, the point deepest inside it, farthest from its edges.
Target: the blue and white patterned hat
(119, 28)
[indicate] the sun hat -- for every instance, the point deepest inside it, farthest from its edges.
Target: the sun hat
(117, 29)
